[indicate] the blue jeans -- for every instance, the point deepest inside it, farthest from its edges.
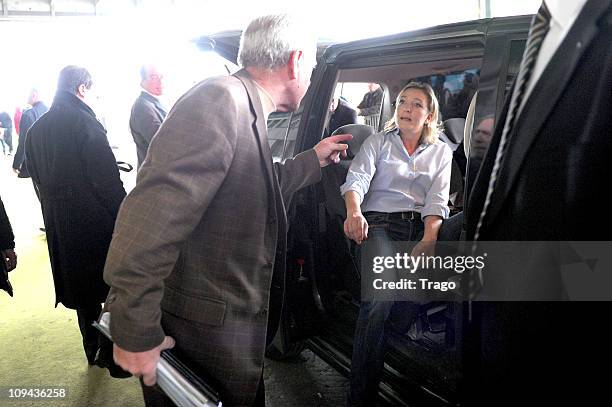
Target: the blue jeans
(372, 324)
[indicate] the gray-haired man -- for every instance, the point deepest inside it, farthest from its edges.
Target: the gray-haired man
(200, 242)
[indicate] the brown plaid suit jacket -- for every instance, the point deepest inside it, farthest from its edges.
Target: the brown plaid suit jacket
(197, 241)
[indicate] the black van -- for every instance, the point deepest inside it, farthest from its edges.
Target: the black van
(424, 361)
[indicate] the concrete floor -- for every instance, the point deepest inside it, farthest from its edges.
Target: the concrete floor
(40, 346)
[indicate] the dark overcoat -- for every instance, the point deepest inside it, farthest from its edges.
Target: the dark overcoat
(7, 239)
(74, 169)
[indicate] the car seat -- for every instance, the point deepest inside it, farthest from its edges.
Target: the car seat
(453, 136)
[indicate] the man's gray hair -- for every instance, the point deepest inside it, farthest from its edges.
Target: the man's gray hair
(269, 40)
(71, 77)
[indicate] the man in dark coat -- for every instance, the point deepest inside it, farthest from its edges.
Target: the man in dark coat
(7, 249)
(7, 124)
(553, 169)
(7, 240)
(370, 104)
(28, 118)
(341, 114)
(199, 248)
(73, 167)
(147, 111)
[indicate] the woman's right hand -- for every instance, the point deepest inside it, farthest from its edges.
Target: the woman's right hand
(356, 227)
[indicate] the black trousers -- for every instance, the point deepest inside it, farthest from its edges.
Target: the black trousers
(93, 340)
(154, 396)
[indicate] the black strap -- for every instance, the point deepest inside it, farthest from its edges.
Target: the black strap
(125, 167)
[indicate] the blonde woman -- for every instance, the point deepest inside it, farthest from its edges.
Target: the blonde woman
(397, 189)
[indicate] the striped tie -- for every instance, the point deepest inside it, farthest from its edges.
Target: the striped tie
(539, 28)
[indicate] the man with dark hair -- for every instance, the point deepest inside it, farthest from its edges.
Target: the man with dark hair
(73, 168)
(147, 111)
(341, 114)
(28, 118)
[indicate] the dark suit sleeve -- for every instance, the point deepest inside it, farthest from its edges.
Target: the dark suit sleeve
(7, 239)
(24, 125)
(188, 162)
(101, 168)
(363, 102)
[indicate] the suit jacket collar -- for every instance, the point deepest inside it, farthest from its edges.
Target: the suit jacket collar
(146, 95)
(156, 102)
(543, 98)
(67, 98)
(564, 12)
(261, 129)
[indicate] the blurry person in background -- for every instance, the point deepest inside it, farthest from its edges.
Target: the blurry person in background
(74, 170)
(17, 119)
(482, 136)
(7, 240)
(147, 112)
(7, 133)
(370, 104)
(7, 250)
(341, 113)
(28, 118)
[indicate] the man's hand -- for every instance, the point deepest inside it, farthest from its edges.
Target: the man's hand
(9, 258)
(142, 363)
(331, 148)
(356, 227)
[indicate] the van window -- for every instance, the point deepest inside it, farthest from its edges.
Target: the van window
(454, 91)
(282, 134)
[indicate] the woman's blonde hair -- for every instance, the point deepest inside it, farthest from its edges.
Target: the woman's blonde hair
(431, 130)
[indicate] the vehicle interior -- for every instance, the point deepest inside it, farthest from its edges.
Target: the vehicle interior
(424, 357)
(426, 348)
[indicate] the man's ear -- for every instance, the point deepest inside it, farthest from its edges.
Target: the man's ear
(81, 90)
(295, 59)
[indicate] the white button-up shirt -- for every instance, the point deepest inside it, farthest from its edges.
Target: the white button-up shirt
(388, 179)
(562, 17)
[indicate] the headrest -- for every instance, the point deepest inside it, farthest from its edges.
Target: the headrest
(453, 132)
(360, 132)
